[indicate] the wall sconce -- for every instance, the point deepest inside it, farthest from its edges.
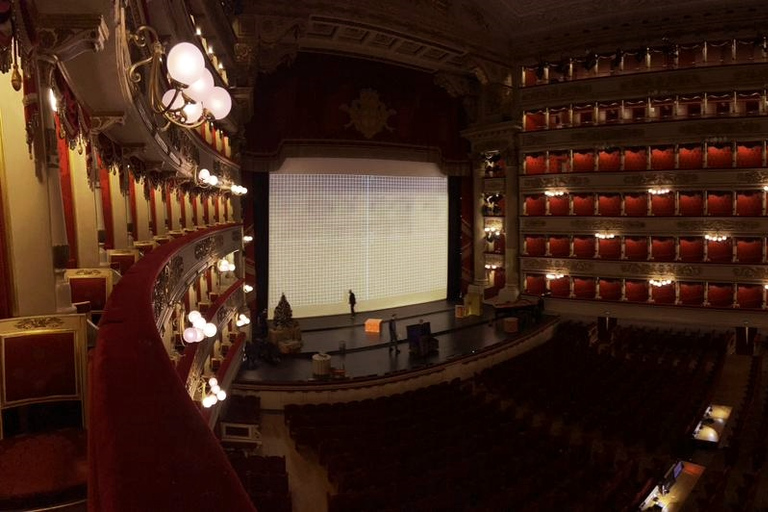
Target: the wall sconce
(492, 234)
(238, 190)
(192, 98)
(225, 266)
(215, 395)
(492, 267)
(765, 287)
(205, 179)
(247, 239)
(658, 191)
(716, 238)
(555, 193)
(247, 288)
(242, 320)
(200, 328)
(658, 283)
(605, 236)
(765, 188)
(554, 276)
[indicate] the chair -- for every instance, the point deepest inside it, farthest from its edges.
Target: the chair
(92, 285)
(125, 258)
(42, 411)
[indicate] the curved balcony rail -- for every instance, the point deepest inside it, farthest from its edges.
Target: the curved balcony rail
(150, 448)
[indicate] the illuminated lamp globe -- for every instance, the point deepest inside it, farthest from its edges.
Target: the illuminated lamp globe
(222, 265)
(185, 63)
(231, 267)
(204, 175)
(192, 111)
(169, 103)
(213, 180)
(200, 335)
(190, 335)
(219, 103)
(200, 88)
(199, 323)
(193, 315)
(243, 191)
(221, 395)
(213, 381)
(210, 330)
(215, 389)
(209, 400)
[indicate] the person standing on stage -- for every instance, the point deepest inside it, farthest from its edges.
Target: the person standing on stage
(352, 302)
(393, 334)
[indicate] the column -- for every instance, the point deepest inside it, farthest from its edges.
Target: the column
(623, 241)
(734, 250)
(705, 152)
(677, 248)
(597, 247)
(597, 288)
(677, 156)
(648, 204)
(623, 204)
(546, 246)
(546, 205)
(677, 292)
(706, 250)
(705, 196)
(734, 200)
(571, 295)
(511, 289)
(735, 295)
(765, 249)
(763, 202)
(570, 204)
(570, 246)
(622, 152)
(623, 289)
(706, 293)
(649, 242)
(677, 202)
(479, 258)
(596, 204)
(734, 149)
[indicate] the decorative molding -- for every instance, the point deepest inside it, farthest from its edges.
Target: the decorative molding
(88, 272)
(531, 223)
(676, 270)
(601, 134)
(717, 225)
(69, 35)
(165, 284)
(665, 178)
(550, 264)
(39, 323)
(208, 247)
(607, 224)
(752, 177)
(368, 114)
(556, 92)
(730, 128)
(751, 272)
(556, 181)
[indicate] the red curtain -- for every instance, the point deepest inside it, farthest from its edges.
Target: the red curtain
(720, 252)
(584, 287)
(583, 162)
(719, 157)
(635, 159)
(584, 246)
(691, 249)
(534, 121)
(610, 249)
(749, 204)
(663, 249)
(558, 205)
(535, 205)
(691, 294)
(535, 245)
(152, 210)
(535, 164)
(691, 204)
(584, 204)
(690, 158)
(750, 296)
(609, 205)
(132, 206)
(720, 204)
(535, 284)
(560, 287)
(609, 161)
(663, 294)
(663, 205)
(750, 250)
(65, 176)
(721, 295)
(559, 162)
(662, 158)
(610, 289)
(749, 156)
(106, 203)
(636, 291)
(559, 246)
(636, 248)
(636, 205)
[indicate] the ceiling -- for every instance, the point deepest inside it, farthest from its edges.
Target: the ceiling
(458, 35)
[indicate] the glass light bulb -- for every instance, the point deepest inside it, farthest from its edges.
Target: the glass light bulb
(190, 335)
(202, 87)
(213, 180)
(213, 381)
(221, 395)
(218, 102)
(199, 323)
(215, 389)
(194, 315)
(204, 175)
(185, 63)
(210, 330)
(170, 103)
(193, 111)
(200, 335)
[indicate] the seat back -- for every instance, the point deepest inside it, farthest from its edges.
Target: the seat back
(42, 373)
(92, 285)
(125, 258)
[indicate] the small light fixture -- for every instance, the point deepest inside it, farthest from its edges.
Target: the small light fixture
(605, 236)
(554, 276)
(215, 395)
(247, 239)
(658, 283)
(492, 234)
(554, 193)
(52, 101)
(715, 238)
(658, 191)
(247, 288)
(242, 320)
(225, 266)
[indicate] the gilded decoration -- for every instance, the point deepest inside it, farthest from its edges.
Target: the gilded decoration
(751, 272)
(208, 247)
(717, 225)
(556, 181)
(752, 177)
(165, 284)
(368, 114)
(729, 127)
(87, 272)
(606, 225)
(662, 178)
(606, 135)
(661, 268)
(236, 235)
(662, 83)
(39, 323)
(555, 93)
(547, 264)
(533, 223)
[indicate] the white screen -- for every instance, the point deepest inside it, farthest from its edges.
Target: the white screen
(384, 237)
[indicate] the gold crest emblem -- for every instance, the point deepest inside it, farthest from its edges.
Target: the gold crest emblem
(368, 114)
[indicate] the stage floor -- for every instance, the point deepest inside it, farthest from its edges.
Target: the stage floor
(368, 354)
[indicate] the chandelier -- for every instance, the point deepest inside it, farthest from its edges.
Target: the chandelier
(180, 88)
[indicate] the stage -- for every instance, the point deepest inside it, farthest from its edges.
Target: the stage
(368, 354)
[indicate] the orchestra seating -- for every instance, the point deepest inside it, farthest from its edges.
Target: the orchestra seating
(570, 425)
(265, 480)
